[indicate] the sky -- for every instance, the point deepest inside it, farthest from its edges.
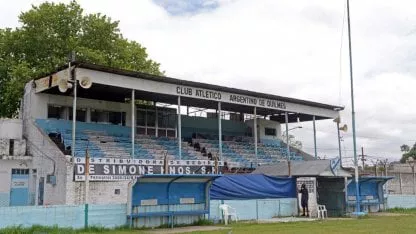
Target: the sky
(294, 48)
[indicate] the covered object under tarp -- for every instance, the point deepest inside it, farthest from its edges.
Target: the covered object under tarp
(242, 187)
(331, 181)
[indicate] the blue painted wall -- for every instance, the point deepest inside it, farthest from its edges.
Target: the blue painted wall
(63, 216)
(247, 209)
(4, 199)
(19, 191)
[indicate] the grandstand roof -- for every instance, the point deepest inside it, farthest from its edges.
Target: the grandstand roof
(114, 84)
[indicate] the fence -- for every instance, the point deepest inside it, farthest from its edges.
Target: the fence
(64, 216)
(257, 209)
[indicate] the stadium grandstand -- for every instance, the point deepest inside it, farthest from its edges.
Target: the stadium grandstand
(129, 123)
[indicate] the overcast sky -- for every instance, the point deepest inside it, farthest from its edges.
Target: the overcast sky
(295, 48)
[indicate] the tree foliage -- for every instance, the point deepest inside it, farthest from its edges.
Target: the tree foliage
(48, 34)
(408, 152)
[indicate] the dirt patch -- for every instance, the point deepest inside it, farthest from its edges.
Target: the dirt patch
(186, 229)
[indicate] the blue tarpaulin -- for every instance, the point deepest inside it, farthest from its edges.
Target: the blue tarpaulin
(240, 187)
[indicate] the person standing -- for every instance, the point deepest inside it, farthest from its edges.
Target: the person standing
(304, 199)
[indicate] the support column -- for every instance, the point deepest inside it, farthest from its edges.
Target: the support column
(157, 122)
(339, 146)
(314, 138)
(287, 144)
(88, 115)
(219, 132)
(74, 113)
(179, 128)
(37, 187)
(133, 121)
(255, 135)
(287, 135)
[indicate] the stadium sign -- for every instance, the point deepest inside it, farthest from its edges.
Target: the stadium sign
(229, 97)
(113, 169)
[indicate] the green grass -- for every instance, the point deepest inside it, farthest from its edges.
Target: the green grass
(405, 223)
(402, 210)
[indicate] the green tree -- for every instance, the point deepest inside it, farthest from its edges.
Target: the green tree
(47, 35)
(407, 152)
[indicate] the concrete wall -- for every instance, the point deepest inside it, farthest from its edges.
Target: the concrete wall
(253, 209)
(11, 129)
(47, 158)
(99, 192)
(64, 216)
(36, 105)
(401, 201)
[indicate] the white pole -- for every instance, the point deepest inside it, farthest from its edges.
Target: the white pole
(133, 121)
(179, 128)
(287, 144)
(339, 147)
(157, 122)
(314, 137)
(219, 132)
(74, 114)
(287, 135)
(357, 187)
(37, 188)
(255, 135)
(87, 174)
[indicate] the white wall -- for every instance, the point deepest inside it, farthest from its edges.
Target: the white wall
(11, 129)
(99, 192)
(265, 123)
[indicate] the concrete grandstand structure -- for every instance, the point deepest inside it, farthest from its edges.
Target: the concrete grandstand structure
(143, 120)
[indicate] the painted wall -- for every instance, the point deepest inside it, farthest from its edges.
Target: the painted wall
(401, 201)
(63, 216)
(253, 209)
(46, 155)
(10, 129)
(99, 192)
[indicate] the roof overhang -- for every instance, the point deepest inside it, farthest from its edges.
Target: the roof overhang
(116, 85)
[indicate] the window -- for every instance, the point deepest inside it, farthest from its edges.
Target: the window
(117, 191)
(81, 115)
(141, 118)
(270, 131)
(212, 115)
(56, 112)
(117, 118)
(20, 171)
(11, 147)
(95, 116)
(234, 116)
(151, 118)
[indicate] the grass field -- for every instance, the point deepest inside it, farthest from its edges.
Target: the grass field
(399, 221)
